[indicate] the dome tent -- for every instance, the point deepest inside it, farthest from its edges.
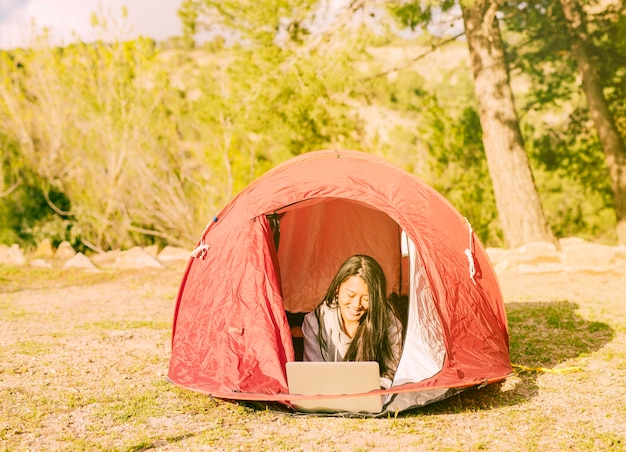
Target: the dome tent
(273, 249)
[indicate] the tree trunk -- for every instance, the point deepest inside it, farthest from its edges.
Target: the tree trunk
(517, 199)
(611, 140)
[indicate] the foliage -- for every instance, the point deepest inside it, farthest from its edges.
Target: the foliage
(140, 152)
(23, 206)
(132, 143)
(561, 139)
(460, 169)
(608, 33)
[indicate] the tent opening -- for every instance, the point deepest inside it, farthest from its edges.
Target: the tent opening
(315, 236)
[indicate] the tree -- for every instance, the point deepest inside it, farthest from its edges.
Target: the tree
(612, 141)
(97, 124)
(517, 199)
(540, 42)
(518, 202)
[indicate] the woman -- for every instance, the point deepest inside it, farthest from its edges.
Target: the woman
(355, 321)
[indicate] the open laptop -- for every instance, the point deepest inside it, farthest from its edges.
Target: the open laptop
(330, 378)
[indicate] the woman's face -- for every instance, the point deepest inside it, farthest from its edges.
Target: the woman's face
(353, 298)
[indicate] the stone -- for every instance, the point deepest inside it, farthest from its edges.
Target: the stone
(44, 249)
(496, 255)
(503, 266)
(536, 253)
(172, 253)
(152, 250)
(566, 242)
(40, 263)
(12, 255)
(65, 251)
(542, 267)
(619, 267)
(136, 258)
(106, 259)
(588, 256)
(80, 261)
(620, 252)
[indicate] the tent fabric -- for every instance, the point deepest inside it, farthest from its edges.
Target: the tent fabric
(424, 351)
(274, 248)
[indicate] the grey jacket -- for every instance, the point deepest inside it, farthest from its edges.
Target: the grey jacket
(338, 341)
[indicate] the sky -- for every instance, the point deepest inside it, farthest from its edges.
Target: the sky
(157, 19)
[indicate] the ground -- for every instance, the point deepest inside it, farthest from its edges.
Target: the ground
(84, 358)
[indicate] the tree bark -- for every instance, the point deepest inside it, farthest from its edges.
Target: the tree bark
(610, 138)
(517, 200)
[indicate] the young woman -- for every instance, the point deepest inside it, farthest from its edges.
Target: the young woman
(355, 321)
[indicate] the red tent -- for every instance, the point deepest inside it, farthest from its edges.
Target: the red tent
(273, 250)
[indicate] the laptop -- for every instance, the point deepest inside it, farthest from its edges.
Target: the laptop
(330, 378)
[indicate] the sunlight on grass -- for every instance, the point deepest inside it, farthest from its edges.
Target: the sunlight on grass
(134, 406)
(13, 279)
(123, 325)
(9, 312)
(101, 386)
(32, 348)
(192, 402)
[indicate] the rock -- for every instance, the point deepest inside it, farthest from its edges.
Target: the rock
(44, 249)
(12, 255)
(536, 253)
(65, 251)
(542, 267)
(40, 263)
(136, 258)
(588, 256)
(105, 259)
(619, 267)
(171, 253)
(152, 250)
(503, 266)
(80, 261)
(496, 254)
(567, 242)
(620, 252)
(575, 255)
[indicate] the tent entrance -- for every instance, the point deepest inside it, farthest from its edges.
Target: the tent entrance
(317, 235)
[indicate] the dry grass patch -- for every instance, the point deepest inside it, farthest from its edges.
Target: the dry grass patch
(84, 359)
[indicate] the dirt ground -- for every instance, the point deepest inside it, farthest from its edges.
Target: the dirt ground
(84, 360)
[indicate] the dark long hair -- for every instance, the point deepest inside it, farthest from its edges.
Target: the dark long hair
(371, 340)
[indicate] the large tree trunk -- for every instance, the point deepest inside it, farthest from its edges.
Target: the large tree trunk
(611, 140)
(517, 199)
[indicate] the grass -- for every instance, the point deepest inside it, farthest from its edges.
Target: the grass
(14, 279)
(547, 334)
(84, 359)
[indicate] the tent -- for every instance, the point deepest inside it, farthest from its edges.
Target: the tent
(269, 255)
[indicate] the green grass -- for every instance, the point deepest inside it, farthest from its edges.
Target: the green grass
(8, 312)
(546, 334)
(98, 383)
(13, 279)
(124, 325)
(32, 348)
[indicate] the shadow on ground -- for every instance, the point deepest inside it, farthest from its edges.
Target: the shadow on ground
(542, 336)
